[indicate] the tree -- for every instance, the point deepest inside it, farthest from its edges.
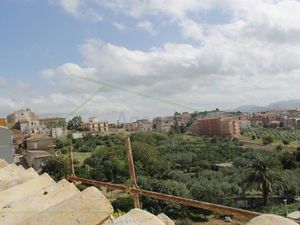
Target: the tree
(108, 164)
(263, 173)
(75, 123)
(285, 141)
(166, 187)
(267, 139)
(56, 167)
(288, 161)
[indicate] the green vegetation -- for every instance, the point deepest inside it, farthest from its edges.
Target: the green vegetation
(74, 123)
(263, 172)
(185, 165)
(267, 139)
(56, 167)
(275, 133)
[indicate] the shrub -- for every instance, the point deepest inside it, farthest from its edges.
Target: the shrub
(123, 204)
(267, 140)
(253, 137)
(279, 147)
(285, 141)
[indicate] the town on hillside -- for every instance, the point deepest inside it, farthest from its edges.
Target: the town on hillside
(34, 137)
(193, 151)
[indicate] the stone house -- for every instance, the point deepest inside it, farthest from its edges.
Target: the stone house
(95, 125)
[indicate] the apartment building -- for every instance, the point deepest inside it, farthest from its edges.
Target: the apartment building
(216, 126)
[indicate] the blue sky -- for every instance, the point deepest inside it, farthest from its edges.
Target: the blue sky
(197, 54)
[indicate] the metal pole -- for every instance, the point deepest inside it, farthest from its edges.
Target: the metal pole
(70, 153)
(132, 172)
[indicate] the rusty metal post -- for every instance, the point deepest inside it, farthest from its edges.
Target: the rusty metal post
(70, 154)
(132, 172)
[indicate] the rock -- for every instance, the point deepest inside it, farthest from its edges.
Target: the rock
(270, 219)
(137, 217)
(165, 219)
(89, 207)
(3, 163)
(16, 176)
(26, 189)
(22, 210)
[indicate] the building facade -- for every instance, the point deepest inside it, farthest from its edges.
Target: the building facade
(183, 118)
(226, 127)
(163, 124)
(144, 125)
(55, 126)
(94, 125)
(29, 128)
(23, 114)
(3, 122)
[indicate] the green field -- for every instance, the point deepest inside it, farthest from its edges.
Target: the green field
(278, 135)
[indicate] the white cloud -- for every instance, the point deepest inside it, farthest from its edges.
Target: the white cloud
(80, 9)
(147, 26)
(119, 26)
(138, 8)
(71, 6)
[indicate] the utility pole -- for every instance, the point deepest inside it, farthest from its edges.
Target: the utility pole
(132, 172)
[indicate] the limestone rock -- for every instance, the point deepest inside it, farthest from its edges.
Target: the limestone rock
(137, 217)
(165, 219)
(89, 207)
(3, 163)
(21, 191)
(16, 176)
(270, 219)
(22, 210)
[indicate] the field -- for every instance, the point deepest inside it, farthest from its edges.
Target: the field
(278, 135)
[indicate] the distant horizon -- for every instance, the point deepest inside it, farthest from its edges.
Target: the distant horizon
(122, 115)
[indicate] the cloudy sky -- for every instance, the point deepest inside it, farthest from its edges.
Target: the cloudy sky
(126, 59)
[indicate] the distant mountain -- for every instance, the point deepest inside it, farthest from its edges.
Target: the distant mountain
(288, 104)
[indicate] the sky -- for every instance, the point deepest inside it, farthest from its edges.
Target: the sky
(132, 59)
